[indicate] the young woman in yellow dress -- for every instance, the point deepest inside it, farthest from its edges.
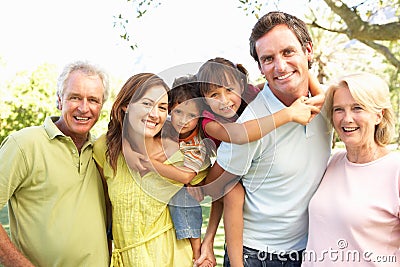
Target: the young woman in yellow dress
(142, 228)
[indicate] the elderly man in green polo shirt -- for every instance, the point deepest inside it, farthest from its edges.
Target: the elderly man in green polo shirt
(50, 181)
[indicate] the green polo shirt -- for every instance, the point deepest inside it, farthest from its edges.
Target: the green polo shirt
(55, 198)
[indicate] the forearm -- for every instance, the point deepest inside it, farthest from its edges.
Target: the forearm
(213, 222)
(252, 130)
(180, 174)
(216, 180)
(315, 86)
(233, 224)
(10, 256)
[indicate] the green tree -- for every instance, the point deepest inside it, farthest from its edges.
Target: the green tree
(29, 99)
(373, 23)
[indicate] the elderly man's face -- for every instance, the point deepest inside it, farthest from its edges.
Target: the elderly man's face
(80, 104)
(284, 63)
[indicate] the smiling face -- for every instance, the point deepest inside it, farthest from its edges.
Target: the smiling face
(225, 100)
(80, 104)
(148, 114)
(284, 63)
(184, 118)
(354, 125)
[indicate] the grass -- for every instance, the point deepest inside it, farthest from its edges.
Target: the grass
(218, 243)
(219, 238)
(4, 219)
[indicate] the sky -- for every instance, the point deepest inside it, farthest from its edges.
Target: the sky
(174, 33)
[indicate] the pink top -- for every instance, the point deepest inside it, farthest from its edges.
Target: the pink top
(207, 116)
(354, 215)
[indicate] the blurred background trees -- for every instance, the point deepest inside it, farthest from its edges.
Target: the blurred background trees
(27, 99)
(348, 35)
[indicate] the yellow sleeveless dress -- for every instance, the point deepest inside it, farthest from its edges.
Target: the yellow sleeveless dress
(142, 227)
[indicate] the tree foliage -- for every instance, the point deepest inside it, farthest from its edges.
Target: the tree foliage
(28, 99)
(376, 24)
(134, 9)
(373, 23)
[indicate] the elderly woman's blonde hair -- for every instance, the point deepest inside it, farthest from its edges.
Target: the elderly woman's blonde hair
(372, 93)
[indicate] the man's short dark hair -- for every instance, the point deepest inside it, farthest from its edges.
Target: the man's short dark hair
(267, 22)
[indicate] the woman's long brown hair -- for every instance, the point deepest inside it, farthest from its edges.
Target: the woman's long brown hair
(131, 91)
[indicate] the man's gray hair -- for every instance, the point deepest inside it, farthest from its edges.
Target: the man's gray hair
(87, 68)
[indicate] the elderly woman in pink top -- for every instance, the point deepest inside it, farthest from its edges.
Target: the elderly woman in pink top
(354, 215)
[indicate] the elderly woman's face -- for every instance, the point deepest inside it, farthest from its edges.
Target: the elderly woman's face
(354, 125)
(148, 114)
